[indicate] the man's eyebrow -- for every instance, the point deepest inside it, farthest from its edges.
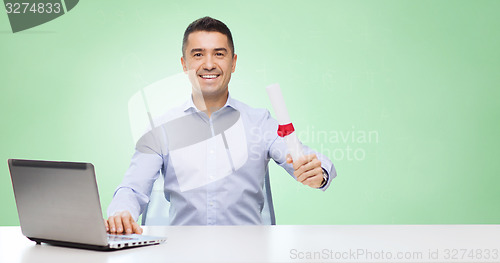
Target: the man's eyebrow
(196, 50)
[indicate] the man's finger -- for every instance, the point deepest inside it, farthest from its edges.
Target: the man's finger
(313, 164)
(311, 173)
(106, 224)
(127, 226)
(111, 222)
(118, 224)
(314, 181)
(303, 160)
(299, 162)
(136, 228)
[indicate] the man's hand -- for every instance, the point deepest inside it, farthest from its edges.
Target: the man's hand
(308, 170)
(122, 223)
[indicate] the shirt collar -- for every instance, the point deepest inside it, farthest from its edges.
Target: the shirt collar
(190, 107)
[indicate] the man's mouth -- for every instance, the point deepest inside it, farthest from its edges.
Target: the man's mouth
(209, 76)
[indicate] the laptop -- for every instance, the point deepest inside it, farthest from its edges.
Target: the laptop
(58, 203)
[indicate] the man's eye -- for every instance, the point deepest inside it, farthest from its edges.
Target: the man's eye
(219, 54)
(197, 55)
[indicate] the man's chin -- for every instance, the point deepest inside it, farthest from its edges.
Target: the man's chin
(210, 88)
(212, 92)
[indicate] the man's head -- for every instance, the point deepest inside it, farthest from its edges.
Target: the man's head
(207, 24)
(208, 57)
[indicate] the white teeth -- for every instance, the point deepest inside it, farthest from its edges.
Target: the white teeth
(209, 76)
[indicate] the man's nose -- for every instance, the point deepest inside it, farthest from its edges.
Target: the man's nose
(209, 63)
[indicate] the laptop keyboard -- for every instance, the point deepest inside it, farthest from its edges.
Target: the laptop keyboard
(120, 238)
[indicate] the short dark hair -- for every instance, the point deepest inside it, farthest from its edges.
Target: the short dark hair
(210, 25)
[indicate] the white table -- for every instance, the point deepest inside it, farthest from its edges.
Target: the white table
(342, 243)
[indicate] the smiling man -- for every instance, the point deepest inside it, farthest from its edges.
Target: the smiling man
(209, 59)
(213, 151)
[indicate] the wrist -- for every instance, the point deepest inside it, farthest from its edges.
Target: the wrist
(325, 179)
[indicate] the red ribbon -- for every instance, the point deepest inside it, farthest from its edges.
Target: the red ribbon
(284, 130)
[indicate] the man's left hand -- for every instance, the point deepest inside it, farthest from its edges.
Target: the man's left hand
(308, 170)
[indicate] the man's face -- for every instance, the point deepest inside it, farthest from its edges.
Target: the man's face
(209, 62)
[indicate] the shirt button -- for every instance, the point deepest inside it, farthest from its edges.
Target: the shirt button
(212, 151)
(211, 177)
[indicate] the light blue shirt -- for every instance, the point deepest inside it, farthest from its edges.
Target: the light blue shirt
(213, 168)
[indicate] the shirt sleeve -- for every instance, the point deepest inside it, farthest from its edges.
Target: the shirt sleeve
(135, 189)
(278, 151)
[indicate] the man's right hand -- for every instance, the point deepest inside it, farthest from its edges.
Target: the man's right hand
(122, 223)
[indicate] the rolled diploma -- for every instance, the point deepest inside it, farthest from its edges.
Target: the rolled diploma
(291, 140)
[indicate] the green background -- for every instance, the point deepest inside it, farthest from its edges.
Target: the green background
(423, 76)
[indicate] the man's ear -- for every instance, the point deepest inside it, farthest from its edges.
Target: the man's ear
(183, 62)
(234, 63)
